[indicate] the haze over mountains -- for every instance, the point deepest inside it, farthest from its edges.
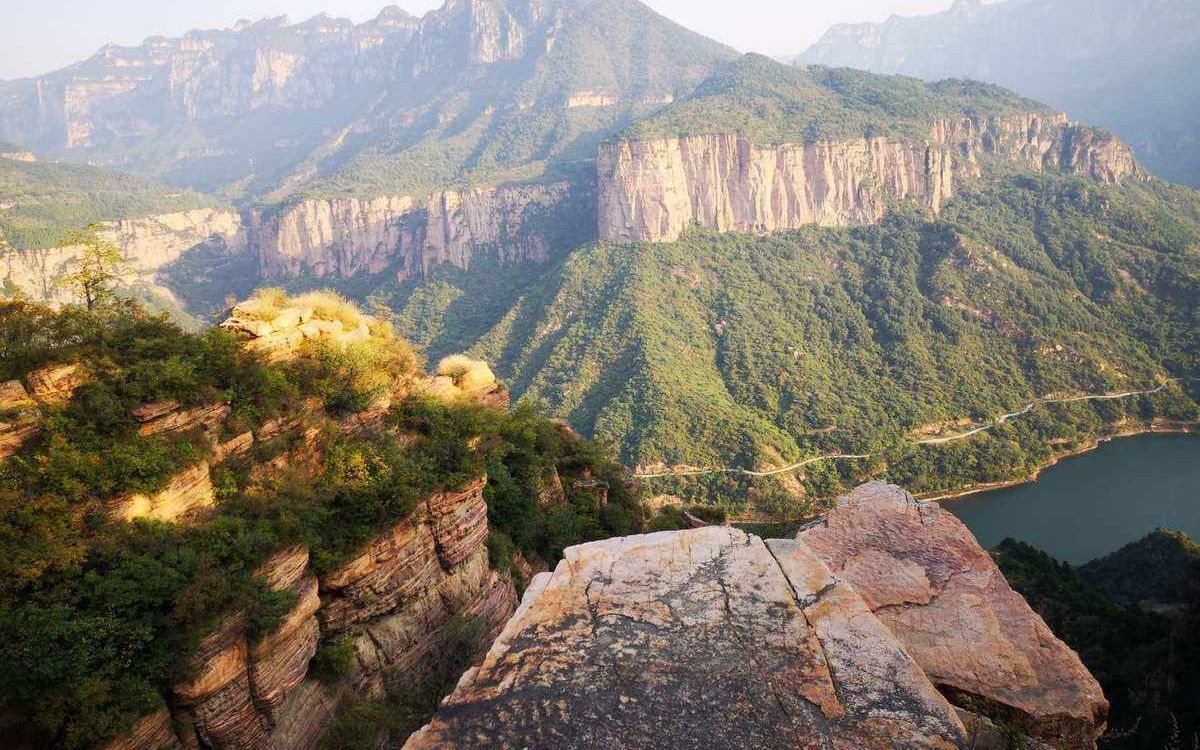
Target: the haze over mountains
(1127, 65)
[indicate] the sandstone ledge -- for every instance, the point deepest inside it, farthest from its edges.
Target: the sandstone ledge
(859, 633)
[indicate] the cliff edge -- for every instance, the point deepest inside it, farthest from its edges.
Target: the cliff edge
(715, 638)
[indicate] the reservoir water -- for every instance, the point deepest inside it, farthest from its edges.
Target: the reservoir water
(1094, 504)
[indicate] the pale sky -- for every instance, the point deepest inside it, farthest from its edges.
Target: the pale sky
(38, 36)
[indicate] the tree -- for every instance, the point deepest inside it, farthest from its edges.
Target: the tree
(98, 268)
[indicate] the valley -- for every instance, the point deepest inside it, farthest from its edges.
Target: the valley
(427, 382)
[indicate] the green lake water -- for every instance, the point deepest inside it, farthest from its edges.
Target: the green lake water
(1093, 504)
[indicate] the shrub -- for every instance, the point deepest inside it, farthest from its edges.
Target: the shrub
(333, 660)
(468, 374)
(331, 306)
(264, 304)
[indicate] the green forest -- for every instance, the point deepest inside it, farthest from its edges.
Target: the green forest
(736, 350)
(1144, 650)
(770, 103)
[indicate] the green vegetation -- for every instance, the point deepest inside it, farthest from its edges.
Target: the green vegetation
(97, 616)
(40, 199)
(1148, 663)
(94, 274)
(1160, 567)
(732, 350)
(772, 103)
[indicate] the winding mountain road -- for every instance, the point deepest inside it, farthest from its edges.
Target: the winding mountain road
(694, 472)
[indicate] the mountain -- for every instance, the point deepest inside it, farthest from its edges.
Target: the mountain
(940, 255)
(397, 104)
(715, 262)
(1145, 657)
(1158, 569)
(391, 146)
(1125, 65)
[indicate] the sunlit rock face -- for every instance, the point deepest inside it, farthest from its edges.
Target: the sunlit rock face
(700, 639)
(882, 625)
(923, 574)
(343, 237)
(653, 190)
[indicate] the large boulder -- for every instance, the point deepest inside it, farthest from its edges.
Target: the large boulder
(701, 639)
(923, 574)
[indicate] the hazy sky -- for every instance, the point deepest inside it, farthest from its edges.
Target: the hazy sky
(42, 35)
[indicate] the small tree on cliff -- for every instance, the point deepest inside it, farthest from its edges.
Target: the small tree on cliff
(100, 265)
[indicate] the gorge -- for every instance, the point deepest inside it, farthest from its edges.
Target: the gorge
(540, 374)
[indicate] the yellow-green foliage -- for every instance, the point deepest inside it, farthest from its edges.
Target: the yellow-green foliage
(264, 304)
(356, 376)
(468, 374)
(331, 306)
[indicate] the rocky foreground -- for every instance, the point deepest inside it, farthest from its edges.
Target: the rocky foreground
(882, 625)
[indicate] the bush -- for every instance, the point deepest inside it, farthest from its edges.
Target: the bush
(333, 660)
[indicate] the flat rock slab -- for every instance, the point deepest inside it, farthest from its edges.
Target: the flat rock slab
(700, 639)
(923, 574)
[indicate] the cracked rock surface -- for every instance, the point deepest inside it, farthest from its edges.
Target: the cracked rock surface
(710, 638)
(923, 574)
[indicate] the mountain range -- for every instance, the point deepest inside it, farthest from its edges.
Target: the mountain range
(1122, 64)
(712, 261)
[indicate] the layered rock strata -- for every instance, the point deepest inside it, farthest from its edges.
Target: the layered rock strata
(20, 408)
(652, 190)
(343, 237)
(922, 573)
(394, 601)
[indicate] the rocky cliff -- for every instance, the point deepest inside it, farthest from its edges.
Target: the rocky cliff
(393, 602)
(652, 190)
(715, 638)
(342, 237)
(923, 574)
(1116, 64)
(266, 108)
(150, 245)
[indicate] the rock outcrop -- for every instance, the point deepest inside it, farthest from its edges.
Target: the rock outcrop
(859, 633)
(394, 601)
(151, 732)
(711, 638)
(20, 408)
(652, 190)
(185, 496)
(343, 237)
(922, 573)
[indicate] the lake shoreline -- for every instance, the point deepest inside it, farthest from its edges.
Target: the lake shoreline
(1160, 428)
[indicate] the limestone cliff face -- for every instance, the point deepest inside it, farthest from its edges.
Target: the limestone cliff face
(342, 237)
(862, 632)
(653, 190)
(150, 244)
